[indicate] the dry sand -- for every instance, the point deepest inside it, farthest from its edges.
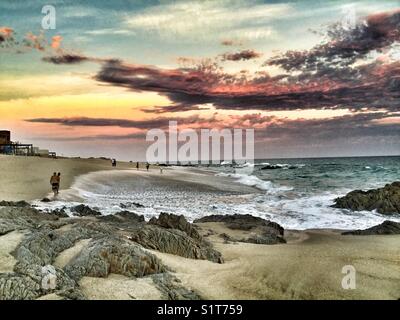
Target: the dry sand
(27, 178)
(309, 266)
(8, 243)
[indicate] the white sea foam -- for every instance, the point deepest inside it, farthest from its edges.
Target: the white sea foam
(113, 191)
(253, 181)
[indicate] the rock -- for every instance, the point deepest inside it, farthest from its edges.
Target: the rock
(385, 200)
(171, 289)
(172, 221)
(112, 255)
(176, 242)
(17, 287)
(84, 211)
(385, 228)
(266, 238)
(131, 216)
(45, 200)
(242, 222)
(60, 213)
(262, 231)
(19, 204)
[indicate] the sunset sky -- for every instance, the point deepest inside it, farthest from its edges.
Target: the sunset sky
(313, 78)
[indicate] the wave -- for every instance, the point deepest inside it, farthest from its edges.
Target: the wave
(253, 181)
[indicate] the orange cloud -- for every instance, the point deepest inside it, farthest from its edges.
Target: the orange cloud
(56, 42)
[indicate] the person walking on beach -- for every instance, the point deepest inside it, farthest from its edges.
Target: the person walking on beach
(147, 166)
(54, 183)
(137, 165)
(58, 181)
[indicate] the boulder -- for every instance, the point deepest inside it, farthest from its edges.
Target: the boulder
(385, 200)
(113, 255)
(19, 204)
(84, 211)
(261, 231)
(176, 242)
(385, 228)
(242, 222)
(172, 221)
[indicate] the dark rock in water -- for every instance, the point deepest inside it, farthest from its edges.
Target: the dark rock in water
(385, 228)
(172, 221)
(271, 167)
(45, 200)
(127, 215)
(60, 213)
(83, 211)
(385, 200)
(131, 204)
(19, 204)
(242, 222)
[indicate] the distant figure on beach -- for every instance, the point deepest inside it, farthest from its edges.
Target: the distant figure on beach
(137, 165)
(161, 170)
(54, 182)
(58, 181)
(147, 166)
(114, 162)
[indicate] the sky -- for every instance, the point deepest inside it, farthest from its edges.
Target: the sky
(312, 78)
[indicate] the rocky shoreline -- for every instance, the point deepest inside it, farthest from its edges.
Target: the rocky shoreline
(117, 245)
(384, 200)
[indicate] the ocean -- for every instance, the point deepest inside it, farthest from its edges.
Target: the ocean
(296, 193)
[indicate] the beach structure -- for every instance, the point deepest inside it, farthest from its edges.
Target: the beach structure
(21, 149)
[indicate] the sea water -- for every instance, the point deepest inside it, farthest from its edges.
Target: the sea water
(297, 193)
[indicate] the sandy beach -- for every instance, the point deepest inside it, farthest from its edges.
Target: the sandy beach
(308, 266)
(27, 178)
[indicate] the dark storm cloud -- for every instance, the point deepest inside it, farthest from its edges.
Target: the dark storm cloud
(267, 128)
(242, 55)
(344, 46)
(105, 122)
(172, 108)
(324, 79)
(66, 59)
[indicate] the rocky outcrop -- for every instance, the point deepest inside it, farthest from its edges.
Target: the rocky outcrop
(172, 221)
(385, 228)
(242, 222)
(113, 255)
(385, 200)
(176, 242)
(19, 204)
(84, 211)
(261, 231)
(109, 249)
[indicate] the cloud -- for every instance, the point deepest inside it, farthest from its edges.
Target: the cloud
(122, 123)
(325, 76)
(345, 46)
(66, 58)
(241, 55)
(56, 42)
(207, 20)
(172, 108)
